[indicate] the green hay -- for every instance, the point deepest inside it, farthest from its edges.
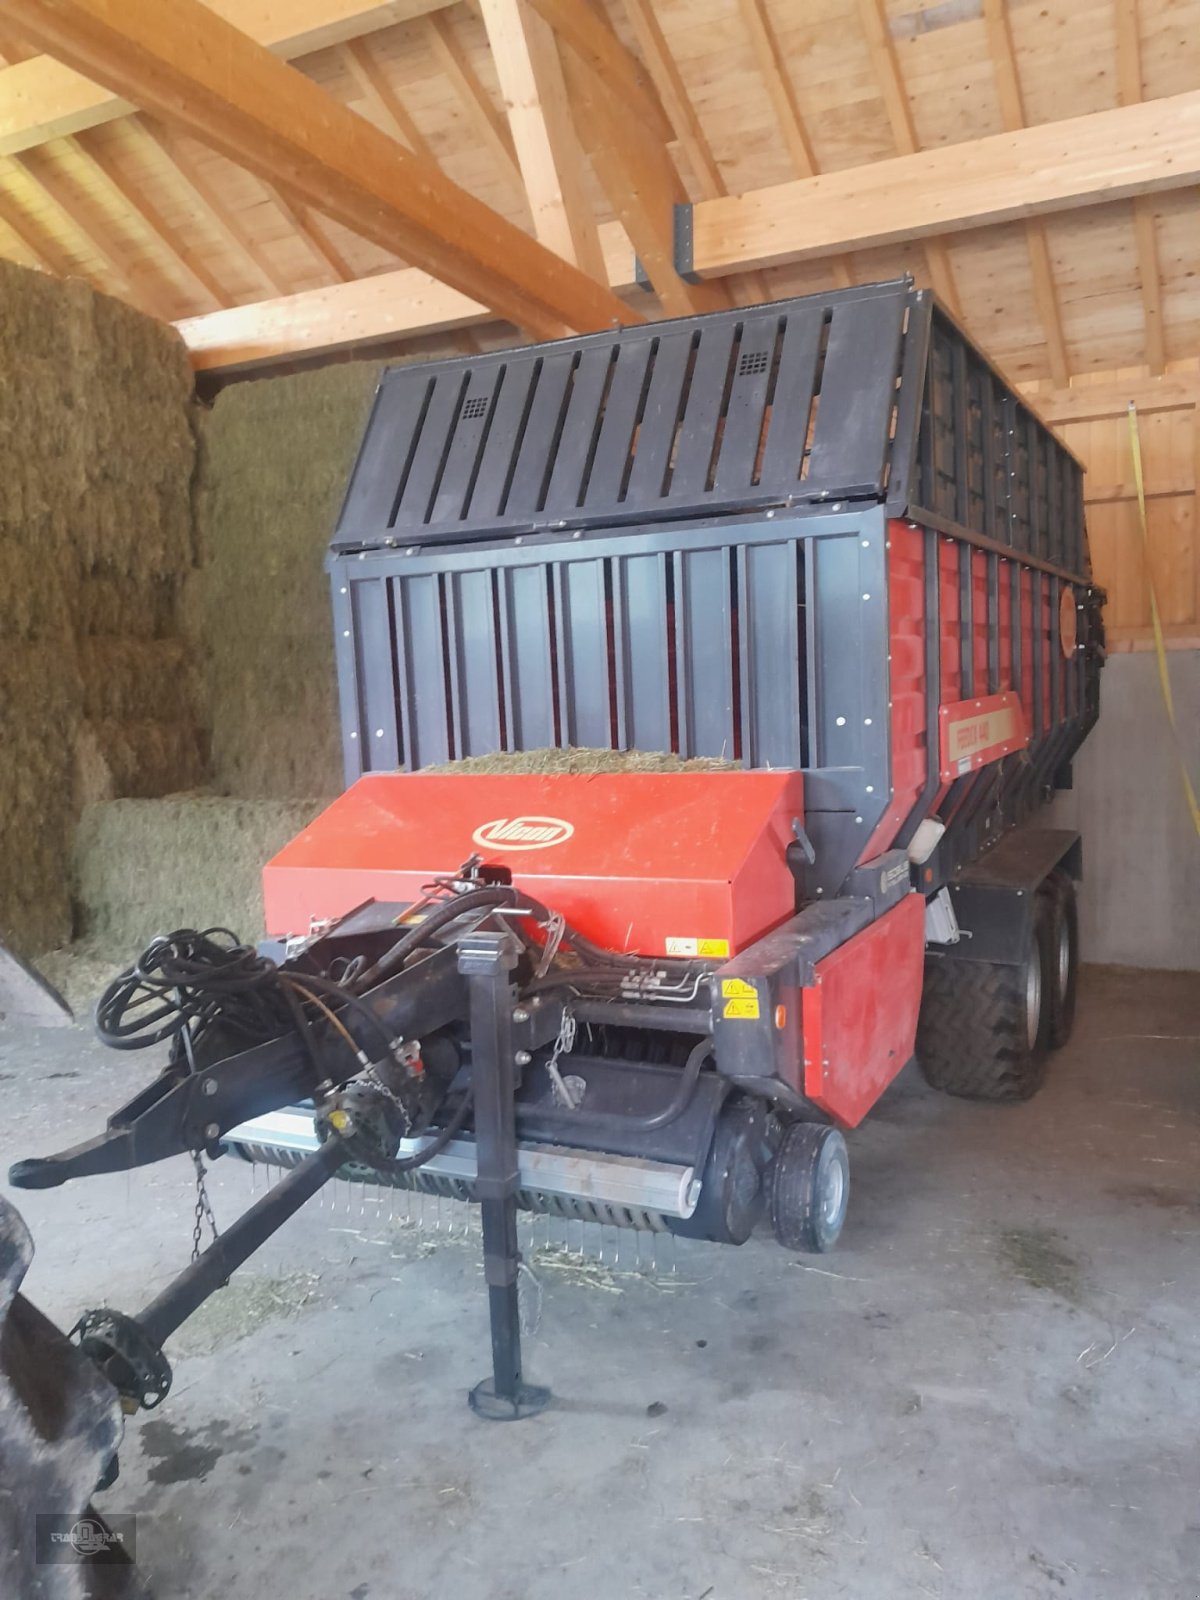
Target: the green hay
(575, 759)
(274, 459)
(191, 861)
(96, 543)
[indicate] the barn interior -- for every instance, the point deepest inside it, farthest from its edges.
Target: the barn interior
(218, 224)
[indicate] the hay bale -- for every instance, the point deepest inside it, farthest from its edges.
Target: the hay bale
(96, 542)
(576, 759)
(190, 861)
(275, 455)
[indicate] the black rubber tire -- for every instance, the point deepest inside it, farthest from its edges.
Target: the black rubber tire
(1062, 956)
(810, 1188)
(974, 1034)
(732, 1190)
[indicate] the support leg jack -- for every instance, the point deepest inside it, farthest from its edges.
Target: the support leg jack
(486, 960)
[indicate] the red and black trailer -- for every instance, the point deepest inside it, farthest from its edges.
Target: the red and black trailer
(821, 539)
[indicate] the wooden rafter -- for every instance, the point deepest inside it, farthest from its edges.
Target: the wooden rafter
(43, 251)
(194, 181)
(1012, 113)
(782, 95)
(677, 103)
(489, 124)
(56, 192)
(547, 147)
(188, 65)
(385, 107)
(320, 246)
(882, 48)
(1129, 88)
(643, 188)
(134, 198)
(1005, 177)
(42, 98)
(586, 31)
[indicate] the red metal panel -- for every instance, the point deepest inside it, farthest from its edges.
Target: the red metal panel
(860, 1013)
(686, 863)
(906, 648)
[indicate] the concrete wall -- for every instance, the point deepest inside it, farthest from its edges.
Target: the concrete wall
(1140, 901)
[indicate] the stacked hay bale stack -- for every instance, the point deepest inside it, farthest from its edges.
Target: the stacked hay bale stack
(98, 692)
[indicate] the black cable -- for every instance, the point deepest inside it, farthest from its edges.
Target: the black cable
(419, 934)
(191, 979)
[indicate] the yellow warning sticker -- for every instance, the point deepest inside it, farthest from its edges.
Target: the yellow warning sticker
(744, 1010)
(738, 989)
(697, 947)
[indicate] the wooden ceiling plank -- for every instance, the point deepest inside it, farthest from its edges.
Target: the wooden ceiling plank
(1051, 168)
(135, 198)
(43, 99)
(386, 106)
(882, 48)
(195, 182)
(585, 30)
(782, 95)
(643, 188)
(188, 65)
(489, 124)
(1012, 114)
(547, 146)
(1129, 90)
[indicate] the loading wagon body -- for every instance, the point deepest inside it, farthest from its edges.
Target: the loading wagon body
(821, 541)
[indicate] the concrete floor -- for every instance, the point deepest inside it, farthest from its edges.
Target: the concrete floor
(989, 1390)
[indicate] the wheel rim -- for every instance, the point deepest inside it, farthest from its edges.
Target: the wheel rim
(1033, 999)
(835, 1194)
(1064, 958)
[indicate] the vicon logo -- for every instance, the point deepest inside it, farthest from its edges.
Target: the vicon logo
(523, 833)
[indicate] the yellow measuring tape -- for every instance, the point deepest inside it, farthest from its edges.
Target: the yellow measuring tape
(1164, 677)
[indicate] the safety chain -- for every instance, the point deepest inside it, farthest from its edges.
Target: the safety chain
(565, 1091)
(204, 1210)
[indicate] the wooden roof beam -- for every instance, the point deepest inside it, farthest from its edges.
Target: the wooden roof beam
(1129, 89)
(672, 90)
(643, 188)
(43, 99)
(1054, 167)
(882, 48)
(782, 95)
(186, 64)
(1012, 113)
(489, 124)
(585, 29)
(547, 147)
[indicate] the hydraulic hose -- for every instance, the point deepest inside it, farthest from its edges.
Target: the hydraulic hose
(682, 1099)
(447, 912)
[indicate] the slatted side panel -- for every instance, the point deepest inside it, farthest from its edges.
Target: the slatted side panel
(792, 402)
(986, 463)
(697, 651)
